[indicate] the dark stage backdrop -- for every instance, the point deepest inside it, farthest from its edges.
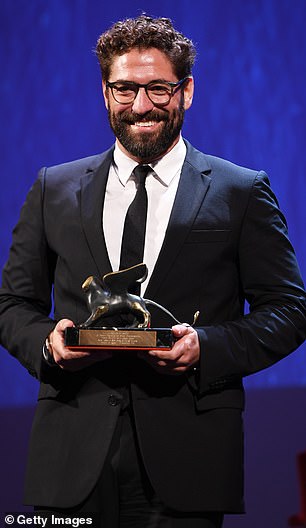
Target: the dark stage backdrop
(249, 107)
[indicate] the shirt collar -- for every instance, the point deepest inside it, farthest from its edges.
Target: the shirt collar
(164, 169)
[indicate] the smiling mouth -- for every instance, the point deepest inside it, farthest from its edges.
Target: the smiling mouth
(145, 124)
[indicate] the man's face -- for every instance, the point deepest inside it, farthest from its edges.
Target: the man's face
(144, 131)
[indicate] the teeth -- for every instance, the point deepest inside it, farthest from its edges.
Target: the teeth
(145, 123)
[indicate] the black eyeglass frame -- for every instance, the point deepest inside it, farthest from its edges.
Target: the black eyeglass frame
(174, 86)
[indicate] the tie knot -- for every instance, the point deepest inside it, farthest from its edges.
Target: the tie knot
(141, 172)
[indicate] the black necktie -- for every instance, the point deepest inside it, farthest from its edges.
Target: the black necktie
(134, 231)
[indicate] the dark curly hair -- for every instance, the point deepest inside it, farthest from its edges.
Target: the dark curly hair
(145, 32)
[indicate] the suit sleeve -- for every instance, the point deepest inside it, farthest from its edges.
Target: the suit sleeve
(272, 286)
(25, 295)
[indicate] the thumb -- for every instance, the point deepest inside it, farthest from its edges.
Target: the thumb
(181, 330)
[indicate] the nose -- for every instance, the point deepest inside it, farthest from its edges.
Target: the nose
(142, 103)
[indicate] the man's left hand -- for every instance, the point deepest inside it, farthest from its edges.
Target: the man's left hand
(184, 354)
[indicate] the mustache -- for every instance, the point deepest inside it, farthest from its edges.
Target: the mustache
(132, 118)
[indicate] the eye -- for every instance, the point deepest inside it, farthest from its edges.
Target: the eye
(124, 90)
(159, 89)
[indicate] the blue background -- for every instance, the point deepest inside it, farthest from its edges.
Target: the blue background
(249, 107)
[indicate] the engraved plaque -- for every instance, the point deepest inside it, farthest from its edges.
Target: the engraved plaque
(121, 338)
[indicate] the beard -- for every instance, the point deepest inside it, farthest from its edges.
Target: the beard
(147, 146)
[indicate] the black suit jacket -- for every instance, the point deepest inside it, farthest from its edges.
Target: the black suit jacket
(226, 242)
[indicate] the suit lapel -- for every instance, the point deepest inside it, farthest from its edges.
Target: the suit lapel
(193, 186)
(93, 186)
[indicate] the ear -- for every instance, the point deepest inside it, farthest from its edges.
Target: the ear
(188, 92)
(105, 94)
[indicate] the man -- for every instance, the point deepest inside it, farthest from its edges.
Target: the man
(152, 439)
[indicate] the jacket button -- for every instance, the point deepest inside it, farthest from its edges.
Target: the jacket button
(113, 400)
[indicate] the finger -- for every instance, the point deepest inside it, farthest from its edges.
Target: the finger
(87, 360)
(63, 355)
(181, 330)
(167, 355)
(63, 324)
(73, 360)
(161, 366)
(56, 337)
(175, 353)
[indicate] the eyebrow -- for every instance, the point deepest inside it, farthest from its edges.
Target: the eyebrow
(135, 82)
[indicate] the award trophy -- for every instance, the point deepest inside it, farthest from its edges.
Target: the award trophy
(110, 297)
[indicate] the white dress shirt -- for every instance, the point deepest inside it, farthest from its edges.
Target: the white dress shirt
(161, 185)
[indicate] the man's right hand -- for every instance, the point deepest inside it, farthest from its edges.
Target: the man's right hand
(68, 359)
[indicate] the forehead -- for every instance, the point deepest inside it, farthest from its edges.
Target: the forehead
(142, 65)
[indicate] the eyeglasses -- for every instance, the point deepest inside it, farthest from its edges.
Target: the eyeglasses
(159, 92)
